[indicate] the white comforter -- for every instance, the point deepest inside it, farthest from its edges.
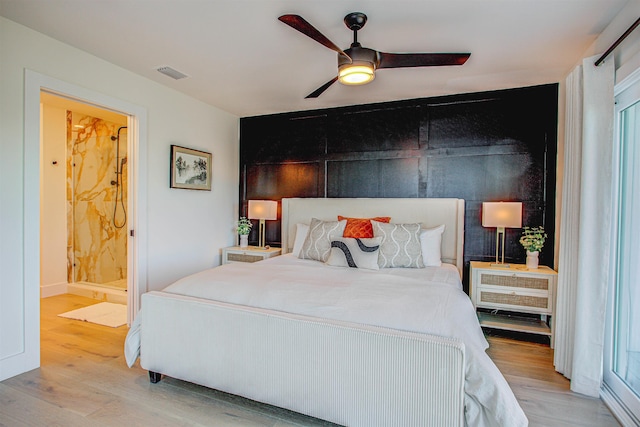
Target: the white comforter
(428, 300)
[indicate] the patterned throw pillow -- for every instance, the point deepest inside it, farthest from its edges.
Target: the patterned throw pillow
(354, 253)
(317, 245)
(360, 228)
(400, 246)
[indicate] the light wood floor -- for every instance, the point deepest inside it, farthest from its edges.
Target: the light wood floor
(543, 393)
(84, 381)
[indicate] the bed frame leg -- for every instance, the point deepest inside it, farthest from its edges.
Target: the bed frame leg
(154, 377)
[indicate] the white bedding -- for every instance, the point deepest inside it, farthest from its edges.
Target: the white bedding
(428, 300)
(390, 298)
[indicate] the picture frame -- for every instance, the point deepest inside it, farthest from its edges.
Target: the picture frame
(190, 169)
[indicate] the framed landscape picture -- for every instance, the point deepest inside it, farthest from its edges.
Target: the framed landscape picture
(190, 169)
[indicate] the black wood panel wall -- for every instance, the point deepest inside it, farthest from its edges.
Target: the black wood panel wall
(489, 146)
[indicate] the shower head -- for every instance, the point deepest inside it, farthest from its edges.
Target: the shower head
(113, 138)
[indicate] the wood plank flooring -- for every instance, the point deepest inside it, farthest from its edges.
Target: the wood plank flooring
(544, 394)
(84, 381)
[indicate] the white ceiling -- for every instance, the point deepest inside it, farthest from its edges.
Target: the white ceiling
(241, 59)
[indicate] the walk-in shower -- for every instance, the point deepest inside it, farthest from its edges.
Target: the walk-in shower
(97, 205)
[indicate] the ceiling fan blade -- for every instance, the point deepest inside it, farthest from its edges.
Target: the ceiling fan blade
(400, 60)
(316, 93)
(297, 22)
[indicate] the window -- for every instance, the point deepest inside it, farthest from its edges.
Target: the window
(622, 352)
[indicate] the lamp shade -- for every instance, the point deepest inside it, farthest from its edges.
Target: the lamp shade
(502, 214)
(263, 209)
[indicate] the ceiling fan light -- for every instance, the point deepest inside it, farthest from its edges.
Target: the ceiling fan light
(355, 74)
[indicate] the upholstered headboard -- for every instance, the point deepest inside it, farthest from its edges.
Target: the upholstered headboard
(429, 212)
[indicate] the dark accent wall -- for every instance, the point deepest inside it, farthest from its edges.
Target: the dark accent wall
(489, 146)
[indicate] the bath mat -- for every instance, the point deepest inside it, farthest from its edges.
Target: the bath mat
(104, 313)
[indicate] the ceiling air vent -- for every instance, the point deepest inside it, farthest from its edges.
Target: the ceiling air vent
(174, 74)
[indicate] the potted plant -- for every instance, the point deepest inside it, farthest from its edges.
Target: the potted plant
(244, 228)
(533, 240)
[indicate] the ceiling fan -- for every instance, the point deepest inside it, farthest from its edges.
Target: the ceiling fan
(357, 65)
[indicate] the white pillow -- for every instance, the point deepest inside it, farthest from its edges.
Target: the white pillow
(354, 253)
(431, 242)
(301, 234)
(317, 245)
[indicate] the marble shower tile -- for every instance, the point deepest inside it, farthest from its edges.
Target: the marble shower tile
(97, 247)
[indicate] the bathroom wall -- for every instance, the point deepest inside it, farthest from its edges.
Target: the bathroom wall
(97, 245)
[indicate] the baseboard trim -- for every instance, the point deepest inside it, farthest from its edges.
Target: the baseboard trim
(98, 292)
(53, 289)
(617, 408)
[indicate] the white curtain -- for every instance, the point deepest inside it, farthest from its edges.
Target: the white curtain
(569, 227)
(585, 226)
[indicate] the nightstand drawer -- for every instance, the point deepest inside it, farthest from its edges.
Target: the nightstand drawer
(231, 257)
(514, 300)
(514, 281)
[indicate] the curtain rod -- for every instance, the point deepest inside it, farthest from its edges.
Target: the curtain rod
(615, 45)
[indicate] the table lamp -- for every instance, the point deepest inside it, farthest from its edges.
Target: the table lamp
(263, 210)
(501, 215)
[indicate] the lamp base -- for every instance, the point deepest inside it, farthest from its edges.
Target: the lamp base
(261, 234)
(500, 261)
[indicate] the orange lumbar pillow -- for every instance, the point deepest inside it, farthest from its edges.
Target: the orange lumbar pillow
(361, 228)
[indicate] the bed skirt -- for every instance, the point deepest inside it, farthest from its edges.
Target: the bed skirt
(346, 373)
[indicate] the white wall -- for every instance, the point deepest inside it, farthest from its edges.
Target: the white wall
(53, 200)
(185, 229)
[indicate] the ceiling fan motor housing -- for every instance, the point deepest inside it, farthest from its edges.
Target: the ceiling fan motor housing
(359, 68)
(359, 56)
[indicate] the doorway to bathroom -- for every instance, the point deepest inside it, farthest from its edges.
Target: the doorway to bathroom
(84, 200)
(24, 303)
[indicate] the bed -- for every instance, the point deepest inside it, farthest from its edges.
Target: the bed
(354, 346)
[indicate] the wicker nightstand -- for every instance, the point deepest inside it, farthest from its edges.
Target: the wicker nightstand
(515, 289)
(248, 254)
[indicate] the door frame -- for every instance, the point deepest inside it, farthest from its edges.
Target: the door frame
(35, 83)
